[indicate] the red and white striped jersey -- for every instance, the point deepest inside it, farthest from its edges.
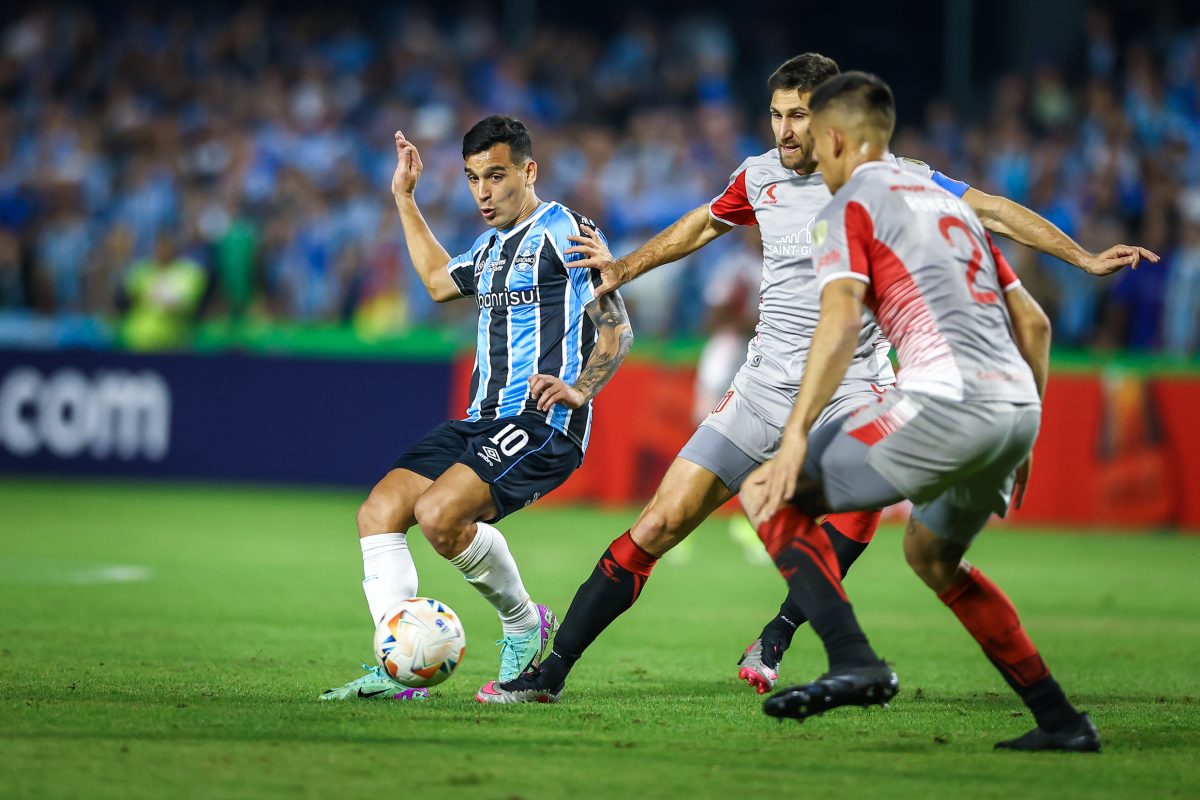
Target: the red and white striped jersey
(935, 283)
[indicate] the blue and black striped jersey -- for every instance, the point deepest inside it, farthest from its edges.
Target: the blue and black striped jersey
(531, 316)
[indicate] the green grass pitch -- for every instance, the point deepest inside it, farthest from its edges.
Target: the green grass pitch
(170, 641)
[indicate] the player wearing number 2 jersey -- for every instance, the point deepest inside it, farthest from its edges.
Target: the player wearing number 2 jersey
(546, 344)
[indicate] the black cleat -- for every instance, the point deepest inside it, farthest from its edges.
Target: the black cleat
(858, 686)
(1082, 737)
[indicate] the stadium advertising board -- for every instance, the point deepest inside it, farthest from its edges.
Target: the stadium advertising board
(213, 417)
(1114, 449)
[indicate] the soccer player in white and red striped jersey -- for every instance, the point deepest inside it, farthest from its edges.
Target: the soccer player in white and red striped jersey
(954, 436)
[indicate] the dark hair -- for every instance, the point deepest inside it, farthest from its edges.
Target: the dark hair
(803, 73)
(860, 93)
(498, 129)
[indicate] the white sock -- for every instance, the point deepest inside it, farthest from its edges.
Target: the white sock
(390, 574)
(488, 565)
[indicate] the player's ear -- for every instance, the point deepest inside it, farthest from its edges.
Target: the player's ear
(838, 140)
(530, 172)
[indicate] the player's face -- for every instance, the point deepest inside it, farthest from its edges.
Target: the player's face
(502, 190)
(828, 151)
(789, 120)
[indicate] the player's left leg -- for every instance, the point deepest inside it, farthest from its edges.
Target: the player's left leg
(934, 545)
(508, 464)
(687, 495)
(449, 513)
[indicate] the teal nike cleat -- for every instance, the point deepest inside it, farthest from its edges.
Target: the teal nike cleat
(519, 653)
(376, 684)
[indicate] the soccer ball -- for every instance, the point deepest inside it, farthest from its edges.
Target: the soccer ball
(420, 642)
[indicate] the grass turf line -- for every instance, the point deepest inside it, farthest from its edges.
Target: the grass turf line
(162, 640)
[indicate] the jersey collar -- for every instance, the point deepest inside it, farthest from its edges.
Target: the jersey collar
(867, 165)
(541, 209)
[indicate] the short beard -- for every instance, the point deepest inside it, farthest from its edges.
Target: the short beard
(801, 160)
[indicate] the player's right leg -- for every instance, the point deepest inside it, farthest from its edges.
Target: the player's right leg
(389, 574)
(687, 495)
(848, 532)
(837, 477)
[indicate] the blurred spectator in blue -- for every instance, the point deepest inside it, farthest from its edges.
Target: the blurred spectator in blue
(1181, 323)
(262, 141)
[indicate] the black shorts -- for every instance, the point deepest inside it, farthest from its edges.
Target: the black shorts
(521, 458)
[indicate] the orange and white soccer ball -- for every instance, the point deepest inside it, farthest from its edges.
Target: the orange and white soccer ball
(420, 642)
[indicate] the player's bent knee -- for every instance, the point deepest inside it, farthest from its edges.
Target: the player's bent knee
(660, 528)
(377, 515)
(441, 524)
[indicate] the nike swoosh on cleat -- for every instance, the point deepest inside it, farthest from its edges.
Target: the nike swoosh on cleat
(361, 693)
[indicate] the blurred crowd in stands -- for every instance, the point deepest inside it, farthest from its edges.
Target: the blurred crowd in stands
(162, 168)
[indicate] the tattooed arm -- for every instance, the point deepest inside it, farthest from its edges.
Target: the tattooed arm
(614, 338)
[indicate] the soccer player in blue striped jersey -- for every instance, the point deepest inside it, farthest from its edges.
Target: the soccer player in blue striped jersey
(546, 344)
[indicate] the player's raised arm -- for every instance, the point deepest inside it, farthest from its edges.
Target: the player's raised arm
(1015, 221)
(428, 256)
(684, 236)
(614, 337)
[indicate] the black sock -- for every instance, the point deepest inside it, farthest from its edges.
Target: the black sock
(609, 591)
(783, 627)
(808, 564)
(1045, 700)
(845, 643)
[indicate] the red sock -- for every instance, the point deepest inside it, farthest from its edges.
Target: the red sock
(857, 525)
(792, 529)
(989, 615)
(632, 558)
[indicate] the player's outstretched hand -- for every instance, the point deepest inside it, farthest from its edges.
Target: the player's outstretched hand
(550, 389)
(1021, 482)
(1117, 258)
(408, 166)
(596, 255)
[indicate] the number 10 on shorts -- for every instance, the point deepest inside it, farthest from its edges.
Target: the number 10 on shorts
(510, 439)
